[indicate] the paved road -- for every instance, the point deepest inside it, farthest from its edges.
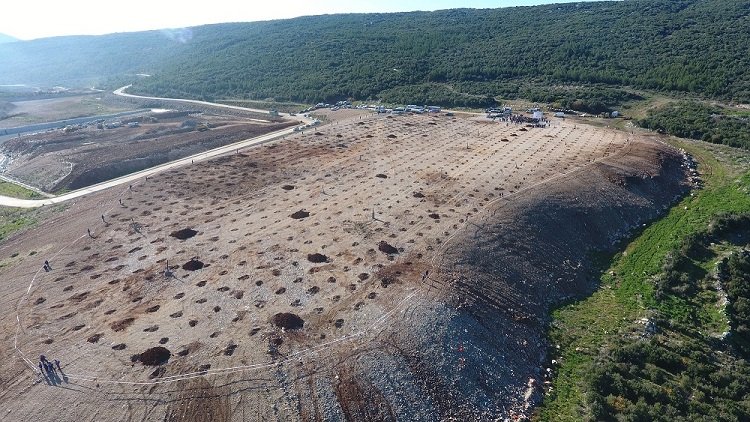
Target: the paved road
(121, 92)
(34, 203)
(5, 133)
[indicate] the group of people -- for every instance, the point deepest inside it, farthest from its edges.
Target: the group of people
(51, 371)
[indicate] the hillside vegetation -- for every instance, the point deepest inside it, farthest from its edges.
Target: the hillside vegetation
(695, 120)
(666, 335)
(453, 57)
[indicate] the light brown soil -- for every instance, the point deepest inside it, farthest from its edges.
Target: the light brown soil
(450, 327)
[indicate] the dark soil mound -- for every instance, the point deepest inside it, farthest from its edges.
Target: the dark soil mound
(391, 136)
(523, 129)
(435, 216)
(317, 258)
(184, 234)
(418, 195)
(385, 247)
(155, 356)
(192, 265)
(300, 214)
(381, 175)
(288, 321)
(287, 187)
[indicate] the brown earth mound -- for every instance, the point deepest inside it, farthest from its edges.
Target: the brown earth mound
(184, 234)
(385, 247)
(300, 214)
(122, 324)
(317, 258)
(193, 265)
(288, 321)
(154, 356)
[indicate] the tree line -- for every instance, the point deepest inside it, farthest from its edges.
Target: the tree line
(451, 57)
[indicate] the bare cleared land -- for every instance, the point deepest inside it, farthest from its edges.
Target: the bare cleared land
(375, 268)
(77, 157)
(22, 113)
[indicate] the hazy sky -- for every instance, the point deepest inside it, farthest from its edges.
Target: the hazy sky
(29, 19)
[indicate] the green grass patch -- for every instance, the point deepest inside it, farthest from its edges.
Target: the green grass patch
(15, 191)
(14, 219)
(582, 331)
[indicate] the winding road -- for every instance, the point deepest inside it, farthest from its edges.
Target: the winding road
(7, 201)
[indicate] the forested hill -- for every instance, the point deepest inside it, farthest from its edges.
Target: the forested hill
(449, 57)
(80, 61)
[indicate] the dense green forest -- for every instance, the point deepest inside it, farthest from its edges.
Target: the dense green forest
(452, 57)
(691, 119)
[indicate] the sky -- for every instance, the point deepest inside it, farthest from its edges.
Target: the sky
(30, 19)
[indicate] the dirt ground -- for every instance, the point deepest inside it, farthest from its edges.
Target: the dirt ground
(65, 107)
(418, 253)
(72, 159)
